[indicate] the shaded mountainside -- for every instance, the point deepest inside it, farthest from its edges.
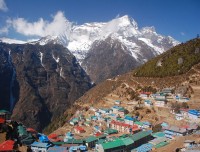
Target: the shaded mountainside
(110, 57)
(39, 82)
(106, 60)
(175, 61)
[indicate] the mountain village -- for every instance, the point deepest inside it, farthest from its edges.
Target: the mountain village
(112, 127)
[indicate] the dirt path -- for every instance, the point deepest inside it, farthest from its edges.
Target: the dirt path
(178, 142)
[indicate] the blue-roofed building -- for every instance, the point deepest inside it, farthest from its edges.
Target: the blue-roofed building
(116, 109)
(143, 96)
(143, 148)
(94, 118)
(193, 114)
(129, 120)
(97, 128)
(74, 121)
(39, 146)
(43, 138)
(112, 116)
(164, 125)
(68, 136)
(97, 113)
(172, 131)
(58, 149)
(82, 148)
(105, 111)
(182, 99)
(148, 103)
(146, 124)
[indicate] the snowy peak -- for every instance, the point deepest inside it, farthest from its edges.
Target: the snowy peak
(11, 41)
(80, 38)
(127, 21)
(150, 29)
(47, 39)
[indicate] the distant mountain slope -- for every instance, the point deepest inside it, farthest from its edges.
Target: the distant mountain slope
(39, 82)
(177, 60)
(118, 45)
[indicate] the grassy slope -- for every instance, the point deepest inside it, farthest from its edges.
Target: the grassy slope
(170, 66)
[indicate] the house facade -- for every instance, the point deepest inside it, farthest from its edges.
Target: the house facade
(40, 147)
(193, 114)
(172, 131)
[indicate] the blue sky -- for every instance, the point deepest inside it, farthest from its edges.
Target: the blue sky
(177, 18)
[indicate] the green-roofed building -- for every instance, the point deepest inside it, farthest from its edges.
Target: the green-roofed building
(141, 137)
(24, 137)
(140, 124)
(118, 144)
(22, 131)
(74, 121)
(87, 123)
(120, 119)
(100, 141)
(5, 114)
(91, 141)
(115, 145)
(158, 134)
(162, 144)
(103, 136)
(129, 143)
(59, 143)
(28, 140)
(110, 131)
(75, 141)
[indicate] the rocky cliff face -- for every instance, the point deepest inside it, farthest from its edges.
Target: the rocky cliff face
(39, 82)
(108, 58)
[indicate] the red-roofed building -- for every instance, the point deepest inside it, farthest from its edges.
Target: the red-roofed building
(54, 138)
(98, 134)
(79, 129)
(2, 120)
(120, 126)
(31, 130)
(135, 129)
(7, 146)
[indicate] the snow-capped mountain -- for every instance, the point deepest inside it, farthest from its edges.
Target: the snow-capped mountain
(141, 44)
(79, 38)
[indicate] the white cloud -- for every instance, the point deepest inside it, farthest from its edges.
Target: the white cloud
(182, 33)
(3, 6)
(41, 27)
(4, 30)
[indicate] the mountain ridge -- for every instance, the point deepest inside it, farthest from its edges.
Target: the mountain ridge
(139, 44)
(38, 83)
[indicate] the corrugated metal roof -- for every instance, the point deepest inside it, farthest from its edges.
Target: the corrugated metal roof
(158, 140)
(40, 144)
(113, 144)
(4, 112)
(74, 141)
(158, 134)
(127, 141)
(110, 131)
(90, 139)
(176, 129)
(161, 144)
(140, 135)
(138, 123)
(57, 149)
(143, 148)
